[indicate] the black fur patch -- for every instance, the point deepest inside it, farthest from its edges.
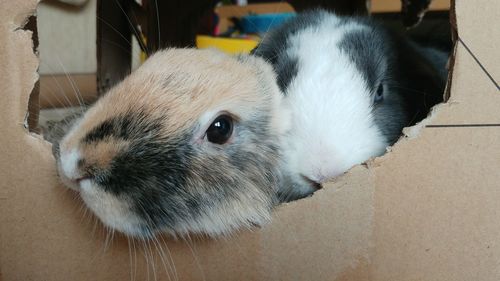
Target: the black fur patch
(126, 127)
(151, 173)
(367, 48)
(105, 129)
(286, 69)
(422, 73)
(274, 45)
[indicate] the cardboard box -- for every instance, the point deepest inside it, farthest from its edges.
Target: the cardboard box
(427, 210)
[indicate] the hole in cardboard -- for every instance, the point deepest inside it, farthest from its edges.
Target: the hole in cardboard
(73, 68)
(33, 104)
(66, 81)
(67, 61)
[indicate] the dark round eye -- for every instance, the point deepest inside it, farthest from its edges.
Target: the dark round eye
(220, 130)
(379, 95)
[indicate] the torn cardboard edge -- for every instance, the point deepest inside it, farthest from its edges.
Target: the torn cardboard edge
(321, 237)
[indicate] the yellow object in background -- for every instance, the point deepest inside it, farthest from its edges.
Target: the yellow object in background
(228, 45)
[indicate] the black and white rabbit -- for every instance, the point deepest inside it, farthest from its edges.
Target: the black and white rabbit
(199, 141)
(351, 85)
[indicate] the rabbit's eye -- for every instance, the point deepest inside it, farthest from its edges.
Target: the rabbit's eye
(220, 130)
(379, 95)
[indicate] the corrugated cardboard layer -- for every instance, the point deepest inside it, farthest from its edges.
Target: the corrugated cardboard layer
(478, 27)
(426, 211)
(437, 195)
(437, 211)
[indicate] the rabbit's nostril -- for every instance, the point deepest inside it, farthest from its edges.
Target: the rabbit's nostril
(80, 163)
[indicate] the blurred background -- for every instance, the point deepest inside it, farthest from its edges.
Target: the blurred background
(86, 46)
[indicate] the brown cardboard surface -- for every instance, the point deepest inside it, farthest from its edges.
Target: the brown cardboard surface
(437, 211)
(426, 211)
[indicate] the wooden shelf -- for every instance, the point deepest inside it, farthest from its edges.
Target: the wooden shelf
(394, 6)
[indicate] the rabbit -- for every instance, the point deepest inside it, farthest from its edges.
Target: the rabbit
(197, 141)
(187, 143)
(352, 85)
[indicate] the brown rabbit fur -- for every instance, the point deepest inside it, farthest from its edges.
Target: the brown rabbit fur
(140, 160)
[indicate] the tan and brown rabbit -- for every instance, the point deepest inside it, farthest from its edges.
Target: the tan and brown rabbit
(189, 142)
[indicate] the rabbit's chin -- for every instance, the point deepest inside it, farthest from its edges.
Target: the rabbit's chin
(115, 213)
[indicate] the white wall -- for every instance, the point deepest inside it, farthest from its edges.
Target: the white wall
(67, 37)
